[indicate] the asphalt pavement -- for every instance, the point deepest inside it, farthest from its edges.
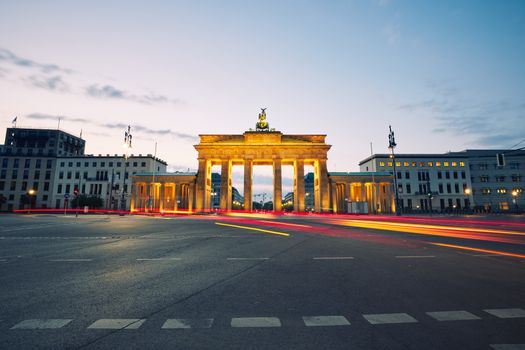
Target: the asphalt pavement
(261, 282)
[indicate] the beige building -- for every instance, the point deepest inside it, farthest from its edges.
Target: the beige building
(167, 192)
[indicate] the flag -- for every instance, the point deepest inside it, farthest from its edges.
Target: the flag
(14, 120)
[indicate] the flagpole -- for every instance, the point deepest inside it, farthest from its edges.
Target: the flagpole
(58, 127)
(373, 181)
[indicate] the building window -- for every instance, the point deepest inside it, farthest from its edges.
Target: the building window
(77, 174)
(445, 163)
(449, 188)
(48, 175)
(500, 178)
(24, 186)
(454, 164)
(111, 164)
(46, 186)
(439, 175)
(463, 175)
(68, 188)
(456, 188)
(483, 166)
(135, 164)
(485, 190)
(430, 164)
(37, 174)
(14, 174)
(143, 164)
(78, 164)
(516, 178)
(86, 164)
(70, 164)
(69, 175)
(27, 163)
(483, 178)
(119, 164)
(59, 188)
(409, 189)
(16, 163)
(501, 190)
(5, 162)
(49, 164)
(438, 164)
(3, 174)
(103, 164)
(399, 175)
(61, 175)
(62, 164)
(455, 174)
(12, 187)
(447, 175)
(38, 164)
(407, 175)
(94, 164)
(462, 164)
(440, 186)
(514, 165)
(414, 164)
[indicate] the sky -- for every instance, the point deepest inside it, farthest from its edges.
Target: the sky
(447, 75)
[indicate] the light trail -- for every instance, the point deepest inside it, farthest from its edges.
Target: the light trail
(254, 229)
(490, 251)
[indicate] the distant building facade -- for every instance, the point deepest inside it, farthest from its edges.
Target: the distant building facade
(469, 179)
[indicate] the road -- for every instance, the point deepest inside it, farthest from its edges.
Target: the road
(261, 282)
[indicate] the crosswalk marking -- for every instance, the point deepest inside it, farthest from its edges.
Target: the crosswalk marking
(255, 322)
(179, 323)
(453, 315)
(506, 313)
(42, 323)
(325, 321)
(389, 318)
(247, 258)
(508, 346)
(117, 323)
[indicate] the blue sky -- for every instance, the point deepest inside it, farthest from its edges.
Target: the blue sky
(448, 75)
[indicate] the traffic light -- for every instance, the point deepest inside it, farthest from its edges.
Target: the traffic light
(75, 191)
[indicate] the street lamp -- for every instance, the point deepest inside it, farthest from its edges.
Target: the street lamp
(467, 193)
(515, 198)
(31, 193)
(127, 146)
(391, 145)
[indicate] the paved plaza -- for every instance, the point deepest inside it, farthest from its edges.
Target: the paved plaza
(245, 281)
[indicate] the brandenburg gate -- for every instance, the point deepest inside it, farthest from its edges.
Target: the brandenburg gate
(262, 146)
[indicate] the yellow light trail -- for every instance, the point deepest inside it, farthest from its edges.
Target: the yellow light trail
(420, 228)
(254, 229)
(286, 223)
(521, 256)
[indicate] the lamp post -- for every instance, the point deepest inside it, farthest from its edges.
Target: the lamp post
(31, 193)
(392, 145)
(467, 193)
(515, 199)
(127, 146)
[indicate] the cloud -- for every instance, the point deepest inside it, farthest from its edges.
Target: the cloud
(11, 58)
(111, 92)
(55, 78)
(498, 123)
(53, 83)
(140, 129)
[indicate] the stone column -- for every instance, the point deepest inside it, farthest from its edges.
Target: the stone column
(348, 199)
(147, 205)
(335, 207)
(317, 189)
(277, 185)
(323, 186)
(299, 186)
(202, 192)
(161, 196)
(133, 193)
(191, 195)
(248, 170)
(226, 188)
(177, 197)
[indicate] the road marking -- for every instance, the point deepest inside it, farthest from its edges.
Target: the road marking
(254, 229)
(157, 259)
(333, 258)
(522, 256)
(255, 322)
(508, 346)
(179, 323)
(325, 321)
(414, 256)
(42, 324)
(452, 315)
(389, 318)
(70, 260)
(117, 323)
(247, 258)
(506, 313)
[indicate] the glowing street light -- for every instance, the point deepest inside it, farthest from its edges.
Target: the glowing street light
(31, 193)
(515, 194)
(391, 145)
(127, 146)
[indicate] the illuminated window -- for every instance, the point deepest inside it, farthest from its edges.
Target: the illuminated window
(389, 163)
(454, 164)
(381, 163)
(421, 164)
(519, 189)
(438, 163)
(414, 164)
(502, 190)
(461, 163)
(485, 190)
(503, 206)
(398, 163)
(445, 163)
(405, 163)
(430, 164)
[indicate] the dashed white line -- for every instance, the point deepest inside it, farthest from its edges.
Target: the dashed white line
(247, 258)
(158, 259)
(389, 318)
(508, 346)
(452, 315)
(117, 323)
(70, 260)
(333, 258)
(506, 313)
(325, 321)
(255, 322)
(414, 256)
(42, 324)
(180, 323)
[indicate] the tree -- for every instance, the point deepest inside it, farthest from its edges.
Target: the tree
(93, 202)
